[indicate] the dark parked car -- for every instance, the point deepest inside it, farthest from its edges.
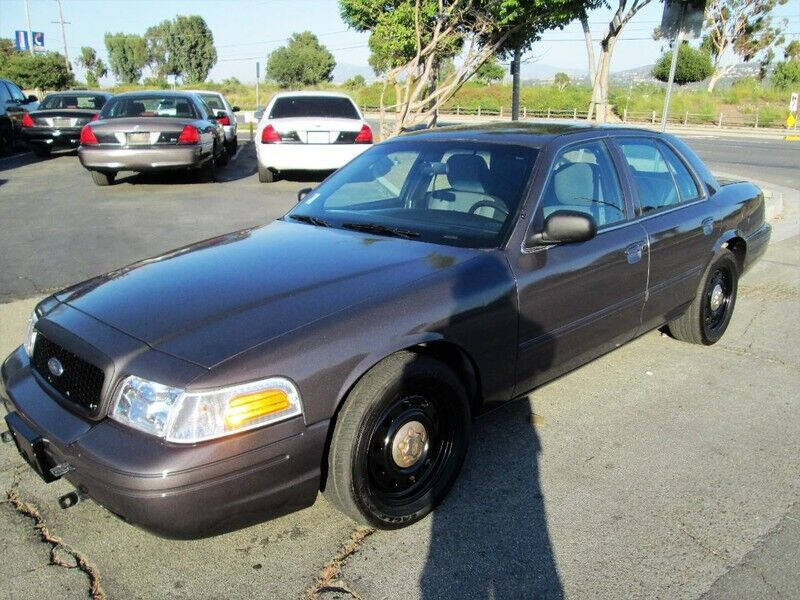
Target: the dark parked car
(347, 345)
(152, 131)
(13, 107)
(56, 124)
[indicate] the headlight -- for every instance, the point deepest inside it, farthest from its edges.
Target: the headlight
(30, 337)
(188, 417)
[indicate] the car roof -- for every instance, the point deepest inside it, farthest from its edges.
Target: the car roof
(79, 92)
(215, 92)
(311, 93)
(534, 134)
(158, 94)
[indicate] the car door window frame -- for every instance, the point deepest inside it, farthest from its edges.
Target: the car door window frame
(628, 173)
(617, 163)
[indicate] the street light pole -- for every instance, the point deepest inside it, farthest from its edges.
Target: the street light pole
(63, 34)
(30, 31)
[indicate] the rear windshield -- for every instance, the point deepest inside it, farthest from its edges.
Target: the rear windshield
(331, 107)
(89, 101)
(213, 101)
(149, 106)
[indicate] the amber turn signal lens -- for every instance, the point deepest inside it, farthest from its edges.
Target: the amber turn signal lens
(243, 409)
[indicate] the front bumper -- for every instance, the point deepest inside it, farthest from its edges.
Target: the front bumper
(99, 158)
(53, 138)
(173, 490)
(307, 157)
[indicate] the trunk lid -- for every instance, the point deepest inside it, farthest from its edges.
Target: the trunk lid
(317, 130)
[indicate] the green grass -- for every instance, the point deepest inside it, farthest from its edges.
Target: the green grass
(738, 103)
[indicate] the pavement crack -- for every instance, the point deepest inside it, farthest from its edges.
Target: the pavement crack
(57, 545)
(329, 579)
(700, 542)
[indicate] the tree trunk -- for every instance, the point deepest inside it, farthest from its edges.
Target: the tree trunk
(600, 91)
(718, 74)
(515, 84)
(589, 46)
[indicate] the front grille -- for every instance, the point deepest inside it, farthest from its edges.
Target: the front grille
(80, 382)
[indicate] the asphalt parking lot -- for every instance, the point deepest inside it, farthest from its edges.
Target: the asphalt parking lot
(661, 470)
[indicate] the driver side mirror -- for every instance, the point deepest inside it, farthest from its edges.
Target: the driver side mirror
(564, 227)
(303, 193)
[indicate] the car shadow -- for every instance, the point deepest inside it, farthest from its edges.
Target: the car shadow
(305, 176)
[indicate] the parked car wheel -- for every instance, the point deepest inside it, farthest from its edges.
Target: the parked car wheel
(399, 441)
(41, 151)
(223, 157)
(233, 146)
(103, 177)
(207, 173)
(6, 144)
(266, 175)
(708, 316)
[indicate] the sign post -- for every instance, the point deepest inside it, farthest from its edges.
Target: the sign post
(258, 82)
(791, 120)
(681, 18)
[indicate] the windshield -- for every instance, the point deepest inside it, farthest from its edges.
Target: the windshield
(331, 107)
(88, 101)
(149, 106)
(455, 193)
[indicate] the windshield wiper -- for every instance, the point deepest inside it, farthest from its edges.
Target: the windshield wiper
(381, 229)
(311, 220)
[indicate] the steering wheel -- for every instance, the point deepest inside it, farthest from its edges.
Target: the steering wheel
(491, 204)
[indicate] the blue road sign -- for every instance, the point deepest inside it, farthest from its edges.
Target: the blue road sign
(21, 40)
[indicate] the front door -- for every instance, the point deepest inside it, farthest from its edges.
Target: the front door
(579, 300)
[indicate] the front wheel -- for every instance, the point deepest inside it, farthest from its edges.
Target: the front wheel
(399, 441)
(708, 316)
(103, 178)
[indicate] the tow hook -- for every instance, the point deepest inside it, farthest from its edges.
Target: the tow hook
(69, 500)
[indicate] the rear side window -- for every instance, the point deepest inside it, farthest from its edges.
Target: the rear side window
(16, 93)
(331, 107)
(687, 187)
(651, 174)
(5, 97)
(213, 102)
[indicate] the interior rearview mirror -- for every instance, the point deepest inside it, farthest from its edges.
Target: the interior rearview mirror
(563, 227)
(33, 98)
(220, 113)
(303, 193)
(235, 109)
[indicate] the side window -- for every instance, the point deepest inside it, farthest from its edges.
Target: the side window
(5, 97)
(687, 188)
(584, 179)
(651, 174)
(16, 93)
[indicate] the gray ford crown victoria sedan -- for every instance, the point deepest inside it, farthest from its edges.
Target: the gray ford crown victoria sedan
(152, 131)
(346, 346)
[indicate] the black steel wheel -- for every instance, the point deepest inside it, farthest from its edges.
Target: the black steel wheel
(399, 441)
(707, 318)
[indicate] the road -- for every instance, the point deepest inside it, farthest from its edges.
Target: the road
(661, 470)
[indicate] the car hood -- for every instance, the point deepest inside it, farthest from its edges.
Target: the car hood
(207, 302)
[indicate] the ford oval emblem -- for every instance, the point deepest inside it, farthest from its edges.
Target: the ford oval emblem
(55, 367)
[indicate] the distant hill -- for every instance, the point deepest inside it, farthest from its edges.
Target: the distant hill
(644, 75)
(344, 71)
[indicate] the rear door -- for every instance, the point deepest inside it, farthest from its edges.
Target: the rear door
(678, 220)
(579, 300)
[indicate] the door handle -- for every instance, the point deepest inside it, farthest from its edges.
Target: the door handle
(708, 226)
(634, 252)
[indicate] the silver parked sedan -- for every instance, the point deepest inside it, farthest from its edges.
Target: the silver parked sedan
(152, 131)
(218, 105)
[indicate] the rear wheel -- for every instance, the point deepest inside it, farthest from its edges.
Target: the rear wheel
(207, 173)
(233, 146)
(399, 441)
(41, 151)
(224, 155)
(265, 175)
(103, 178)
(707, 318)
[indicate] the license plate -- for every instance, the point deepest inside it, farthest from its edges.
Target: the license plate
(139, 138)
(318, 137)
(30, 446)
(62, 122)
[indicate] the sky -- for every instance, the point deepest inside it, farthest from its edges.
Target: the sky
(245, 31)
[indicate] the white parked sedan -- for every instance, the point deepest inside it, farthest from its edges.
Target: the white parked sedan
(309, 131)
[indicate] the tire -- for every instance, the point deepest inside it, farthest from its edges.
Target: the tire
(233, 146)
(207, 173)
(103, 178)
(224, 156)
(6, 145)
(41, 152)
(265, 175)
(707, 318)
(396, 483)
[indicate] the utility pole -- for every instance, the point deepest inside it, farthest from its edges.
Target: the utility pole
(515, 64)
(30, 31)
(258, 82)
(63, 31)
